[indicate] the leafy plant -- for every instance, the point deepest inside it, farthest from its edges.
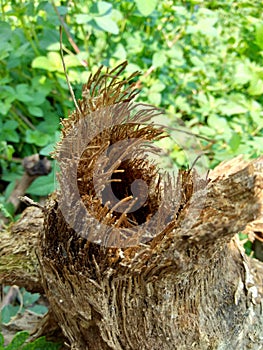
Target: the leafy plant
(19, 343)
(247, 244)
(26, 301)
(200, 61)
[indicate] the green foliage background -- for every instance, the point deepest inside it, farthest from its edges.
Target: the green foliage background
(200, 60)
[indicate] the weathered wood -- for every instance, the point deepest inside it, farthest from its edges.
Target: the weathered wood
(186, 285)
(18, 244)
(186, 290)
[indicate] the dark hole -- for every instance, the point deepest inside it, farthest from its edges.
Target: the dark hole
(121, 187)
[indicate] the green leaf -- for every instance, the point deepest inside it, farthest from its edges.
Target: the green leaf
(234, 142)
(7, 91)
(155, 98)
(107, 24)
(104, 7)
(14, 173)
(38, 97)
(248, 247)
(182, 104)
(50, 147)
(50, 63)
(231, 108)
(49, 125)
(30, 298)
(205, 130)
(218, 123)
(1, 340)
(21, 51)
(177, 55)
(23, 93)
(242, 74)
(6, 31)
(8, 312)
(43, 185)
(8, 131)
(72, 61)
(18, 340)
(4, 50)
(8, 211)
(36, 111)
(42, 85)
(242, 236)
(38, 309)
(256, 86)
(146, 7)
(42, 62)
(41, 344)
(131, 68)
(157, 87)
(83, 18)
(11, 125)
(197, 62)
(120, 52)
(159, 59)
(9, 189)
(37, 137)
(11, 135)
(206, 26)
(7, 150)
(259, 36)
(4, 107)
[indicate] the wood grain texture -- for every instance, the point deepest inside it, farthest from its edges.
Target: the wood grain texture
(187, 285)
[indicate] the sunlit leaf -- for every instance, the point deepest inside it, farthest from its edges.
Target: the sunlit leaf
(146, 7)
(234, 142)
(159, 59)
(52, 62)
(107, 24)
(104, 7)
(83, 18)
(259, 35)
(256, 86)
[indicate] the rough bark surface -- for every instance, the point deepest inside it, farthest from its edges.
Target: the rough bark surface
(188, 286)
(185, 290)
(18, 262)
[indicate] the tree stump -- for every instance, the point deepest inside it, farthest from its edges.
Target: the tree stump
(132, 260)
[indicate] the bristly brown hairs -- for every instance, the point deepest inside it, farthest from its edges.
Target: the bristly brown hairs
(166, 275)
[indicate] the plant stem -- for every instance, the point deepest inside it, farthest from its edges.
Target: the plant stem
(3, 10)
(28, 34)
